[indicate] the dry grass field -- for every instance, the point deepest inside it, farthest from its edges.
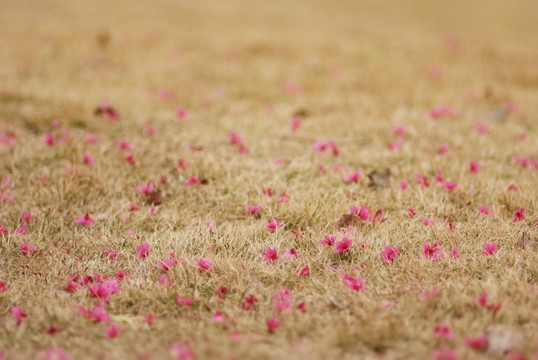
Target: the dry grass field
(189, 179)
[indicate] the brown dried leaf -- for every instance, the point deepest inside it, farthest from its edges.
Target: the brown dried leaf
(501, 340)
(156, 197)
(105, 109)
(301, 112)
(351, 195)
(525, 242)
(348, 220)
(103, 38)
(379, 178)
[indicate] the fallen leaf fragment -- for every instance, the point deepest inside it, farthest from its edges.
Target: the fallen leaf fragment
(525, 242)
(379, 178)
(348, 220)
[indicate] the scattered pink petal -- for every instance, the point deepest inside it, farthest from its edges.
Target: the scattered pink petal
(291, 254)
(49, 139)
(444, 354)
(218, 317)
(399, 130)
(185, 302)
(253, 209)
(27, 217)
(143, 250)
(250, 301)
(481, 301)
(443, 332)
(481, 128)
(124, 145)
(480, 343)
(436, 71)
(432, 252)
(354, 176)
(273, 225)
(183, 163)
(55, 354)
(98, 314)
(519, 215)
(304, 271)
(111, 255)
(489, 249)
(429, 222)
(149, 319)
(320, 146)
(342, 245)
(6, 182)
(426, 294)
(443, 149)
(85, 220)
(328, 240)
(103, 290)
(8, 139)
(106, 110)
(130, 159)
(146, 189)
(193, 180)
(112, 331)
(355, 284)
(484, 209)
(27, 250)
(295, 123)
(272, 324)
(87, 159)
(292, 88)
(204, 264)
(441, 112)
(21, 230)
(397, 145)
(270, 255)
(149, 130)
(283, 198)
(17, 314)
(235, 138)
(182, 352)
(421, 180)
(210, 225)
(389, 253)
(332, 147)
(474, 166)
(450, 186)
(52, 330)
(181, 113)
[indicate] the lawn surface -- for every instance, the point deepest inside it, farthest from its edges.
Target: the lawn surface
(190, 179)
